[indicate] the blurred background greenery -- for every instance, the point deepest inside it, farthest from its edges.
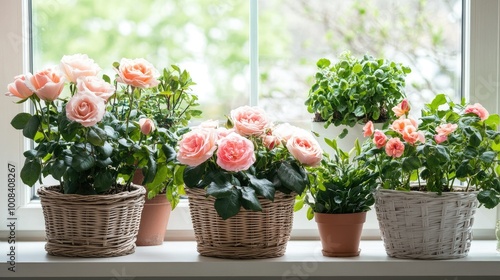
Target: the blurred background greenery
(210, 38)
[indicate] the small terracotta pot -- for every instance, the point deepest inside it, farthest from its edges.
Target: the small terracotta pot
(340, 233)
(154, 220)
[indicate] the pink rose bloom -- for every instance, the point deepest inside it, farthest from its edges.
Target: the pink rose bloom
(47, 84)
(210, 124)
(85, 108)
(78, 66)
(223, 132)
(235, 153)
(394, 148)
(95, 85)
(147, 126)
(479, 110)
(446, 129)
(197, 146)
(402, 108)
(137, 73)
(400, 124)
(305, 149)
(411, 135)
(379, 138)
(18, 88)
(285, 130)
(249, 120)
(440, 138)
(270, 141)
(368, 129)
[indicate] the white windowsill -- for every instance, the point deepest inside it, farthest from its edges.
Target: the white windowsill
(302, 258)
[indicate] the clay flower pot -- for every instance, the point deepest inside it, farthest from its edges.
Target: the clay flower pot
(340, 233)
(154, 220)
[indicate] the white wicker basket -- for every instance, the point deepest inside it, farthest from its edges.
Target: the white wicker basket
(421, 225)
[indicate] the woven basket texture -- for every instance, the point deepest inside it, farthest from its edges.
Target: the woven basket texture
(248, 235)
(421, 225)
(91, 225)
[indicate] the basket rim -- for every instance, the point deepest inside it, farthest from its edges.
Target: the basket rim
(46, 191)
(454, 193)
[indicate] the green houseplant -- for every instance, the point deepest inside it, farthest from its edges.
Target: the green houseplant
(449, 159)
(339, 196)
(250, 171)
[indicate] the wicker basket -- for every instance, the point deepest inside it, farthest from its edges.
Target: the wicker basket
(421, 225)
(248, 235)
(91, 225)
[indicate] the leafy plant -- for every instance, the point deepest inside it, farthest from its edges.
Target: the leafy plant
(454, 148)
(338, 185)
(356, 90)
(248, 158)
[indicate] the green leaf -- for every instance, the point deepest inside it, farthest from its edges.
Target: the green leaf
(250, 200)
(293, 177)
(96, 136)
(82, 162)
(159, 178)
(220, 190)
(31, 128)
(310, 213)
(263, 187)
(193, 174)
(20, 120)
(323, 63)
(488, 198)
(493, 120)
(298, 205)
(440, 99)
(58, 169)
(411, 163)
(228, 206)
(169, 152)
(357, 68)
(31, 171)
(343, 133)
(488, 156)
(359, 111)
(103, 181)
(105, 150)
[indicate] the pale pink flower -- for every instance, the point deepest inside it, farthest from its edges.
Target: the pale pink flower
(85, 108)
(249, 120)
(285, 130)
(402, 108)
(137, 73)
(270, 141)
(479, 110)
(47, 84)
(379, 138)
(235, 153)
(210, 124)
(18, 88)
(196, 146)
(446, 129)
(223, 132)
(368, 129)
(78, 66)
(394, 148)
(305, 149)
(147, 126)
(411, 135)
(440, 138)
(95, 85)
(400, 124)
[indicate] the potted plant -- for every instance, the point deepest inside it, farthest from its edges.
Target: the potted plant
(163, 112)
(432, 175)
(339, 196)
(352, 92)
(250, 171)
(90, 140)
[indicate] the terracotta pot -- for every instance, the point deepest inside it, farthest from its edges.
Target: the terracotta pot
(154, 220)
(340, 233)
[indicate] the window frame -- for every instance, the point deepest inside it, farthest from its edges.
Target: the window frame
(480, 78)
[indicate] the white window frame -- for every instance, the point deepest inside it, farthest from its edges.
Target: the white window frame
(481, 81)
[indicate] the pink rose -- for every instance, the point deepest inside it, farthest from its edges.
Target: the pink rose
(85, 108)
(95, 85)
(402, 108)
(137, 73)
(197, 146)
(368, 129)
(147, 126)
(249, 120)
(18, 88)
(379, 139)
(47, 84)
(479, 110)
(440, 138)
(270, 141)
(411, 135)
(209, 124)
(285, 130)
(400, 124)
(78, 66)
(446, 129)
(235, 153)
(394, 148)
(305, 149)
(223, 132)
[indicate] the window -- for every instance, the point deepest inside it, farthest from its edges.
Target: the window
(211, 38)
